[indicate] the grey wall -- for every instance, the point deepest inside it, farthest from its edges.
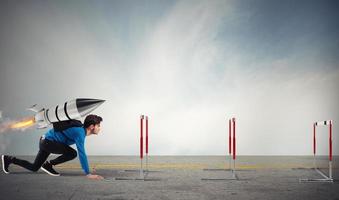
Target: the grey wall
(189, 65)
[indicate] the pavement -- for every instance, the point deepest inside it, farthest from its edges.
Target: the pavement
(173, 177)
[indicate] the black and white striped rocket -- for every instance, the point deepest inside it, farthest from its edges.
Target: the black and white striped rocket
(73, 109)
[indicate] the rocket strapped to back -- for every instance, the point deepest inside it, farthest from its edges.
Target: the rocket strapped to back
(73, 109)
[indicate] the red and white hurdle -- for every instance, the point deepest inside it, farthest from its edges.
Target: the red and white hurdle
(231, 152)
(325, 178)
(142, 171)
(232, 144)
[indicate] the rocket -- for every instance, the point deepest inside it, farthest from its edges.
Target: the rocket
(73, 109)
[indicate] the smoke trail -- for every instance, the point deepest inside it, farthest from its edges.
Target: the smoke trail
(4, 143)
(15, 125)
(7, 125)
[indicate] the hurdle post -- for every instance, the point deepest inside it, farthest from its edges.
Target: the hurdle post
(330, 151)
(141, 146)
(234, 146)
(146, 143)
(314, 145)
(229, 143)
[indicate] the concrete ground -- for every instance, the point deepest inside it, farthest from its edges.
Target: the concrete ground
(176, 177)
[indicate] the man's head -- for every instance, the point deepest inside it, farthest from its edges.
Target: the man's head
(92, 124)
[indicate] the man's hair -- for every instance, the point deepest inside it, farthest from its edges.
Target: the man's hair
(92, 119)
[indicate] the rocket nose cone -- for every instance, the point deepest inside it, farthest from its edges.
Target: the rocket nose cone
(86, 106)
(84, 102)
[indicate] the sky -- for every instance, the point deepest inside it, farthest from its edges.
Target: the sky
(188, 65)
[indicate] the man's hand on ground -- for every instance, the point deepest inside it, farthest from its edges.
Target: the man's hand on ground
(95, 177)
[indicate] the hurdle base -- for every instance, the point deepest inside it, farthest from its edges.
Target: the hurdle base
(138, 170)
(137, 179)
(217, 169)
(328, 180)
(325, 179)
(234, 177)
(143, 176)
(227, 170)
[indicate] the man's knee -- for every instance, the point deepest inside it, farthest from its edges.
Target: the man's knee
(73, 154)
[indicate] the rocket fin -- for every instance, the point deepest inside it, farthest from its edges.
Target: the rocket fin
(34, 108)
(41, 126)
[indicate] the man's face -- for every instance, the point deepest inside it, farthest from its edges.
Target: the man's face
(95, 129)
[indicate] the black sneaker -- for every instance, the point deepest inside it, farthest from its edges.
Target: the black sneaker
(47, 167)
(6, 160)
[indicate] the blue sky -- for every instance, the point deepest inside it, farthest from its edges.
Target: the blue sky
(189, 65)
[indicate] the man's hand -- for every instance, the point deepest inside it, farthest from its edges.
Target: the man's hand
(95, 177)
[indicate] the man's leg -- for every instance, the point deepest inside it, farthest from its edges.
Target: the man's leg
(39, 160)
(45, 148)
(67, 152)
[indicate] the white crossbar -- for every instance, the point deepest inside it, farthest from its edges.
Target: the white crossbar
(323, 123)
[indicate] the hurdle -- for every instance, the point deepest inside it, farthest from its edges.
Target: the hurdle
(325, 178)
(143, 173)
(141, 146)
(231, 153)
(232, 145)
(147, 144)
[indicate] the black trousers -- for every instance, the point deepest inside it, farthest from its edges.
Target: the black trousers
(47, 147)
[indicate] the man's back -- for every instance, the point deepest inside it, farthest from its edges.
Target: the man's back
(69, 136)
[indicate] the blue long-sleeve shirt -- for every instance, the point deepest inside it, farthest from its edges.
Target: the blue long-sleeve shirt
(74, 135)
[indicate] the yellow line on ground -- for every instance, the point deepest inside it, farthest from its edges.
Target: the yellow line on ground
(193, 166)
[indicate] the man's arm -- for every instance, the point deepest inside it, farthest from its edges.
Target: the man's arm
(80, 143)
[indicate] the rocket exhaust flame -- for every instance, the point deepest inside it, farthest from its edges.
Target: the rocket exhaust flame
(17, 125)
(23, 123)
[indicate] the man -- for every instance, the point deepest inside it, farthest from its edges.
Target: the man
(59, 143)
